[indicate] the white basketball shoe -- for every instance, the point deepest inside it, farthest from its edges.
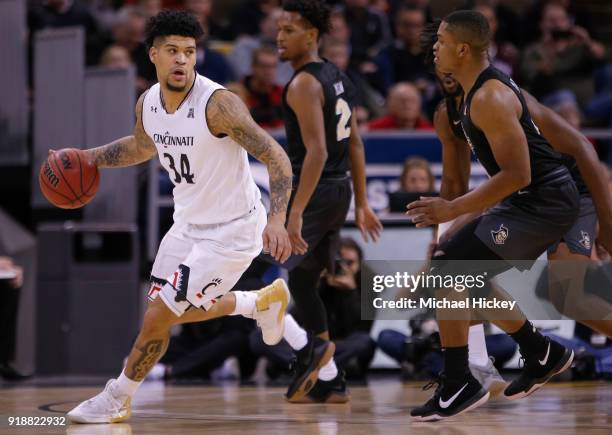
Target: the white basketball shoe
(270, 308)
(489, 378)
(106, 407)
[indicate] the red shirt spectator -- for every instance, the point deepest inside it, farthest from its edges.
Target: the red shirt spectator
(403, 110)
(388, 122)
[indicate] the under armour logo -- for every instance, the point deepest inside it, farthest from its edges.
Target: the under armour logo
(500, 236)
(153, 109)
(190, 113)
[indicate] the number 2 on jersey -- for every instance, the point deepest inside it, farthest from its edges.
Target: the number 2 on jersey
(343, 130)
(185, 169)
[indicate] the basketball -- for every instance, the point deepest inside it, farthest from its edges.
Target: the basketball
(68, 179)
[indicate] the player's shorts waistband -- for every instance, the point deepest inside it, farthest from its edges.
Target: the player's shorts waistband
(558, 176)
(327, 178)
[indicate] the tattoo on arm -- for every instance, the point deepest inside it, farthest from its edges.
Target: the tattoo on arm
(280, 186)
(226, 114)
(150, 353)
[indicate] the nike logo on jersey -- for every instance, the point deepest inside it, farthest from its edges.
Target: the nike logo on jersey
(456, 122)
(522, 192)
(446, 403)
(545, 360)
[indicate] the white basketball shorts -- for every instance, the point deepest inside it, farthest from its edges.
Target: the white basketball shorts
(197, 264)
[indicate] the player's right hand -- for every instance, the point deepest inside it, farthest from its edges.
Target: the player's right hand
(276, 241)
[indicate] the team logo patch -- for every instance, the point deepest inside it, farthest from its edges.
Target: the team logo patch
(180, 280)
(586, 240)
(500, 236)
(339, 88)
(190, 113)
(214, 283)
(153, 109)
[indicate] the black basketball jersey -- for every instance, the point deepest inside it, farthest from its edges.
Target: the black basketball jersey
(547, 165)
(339, 95)
(454, 119)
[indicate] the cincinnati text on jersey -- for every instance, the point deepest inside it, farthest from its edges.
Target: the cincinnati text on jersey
(167, 140)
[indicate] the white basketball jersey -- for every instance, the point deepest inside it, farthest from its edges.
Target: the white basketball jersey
(212, 178)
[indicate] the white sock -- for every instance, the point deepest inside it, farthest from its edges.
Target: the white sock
(294, 334)
(245, 304)
(125, 386)
(329, 371)
(477, 346)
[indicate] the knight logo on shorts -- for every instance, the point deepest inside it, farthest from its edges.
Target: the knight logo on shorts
(586, 240)
(180, 282)
(500, 236)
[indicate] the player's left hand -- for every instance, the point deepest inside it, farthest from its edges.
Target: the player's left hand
(368, 223)
(430, 211)
(276, 241)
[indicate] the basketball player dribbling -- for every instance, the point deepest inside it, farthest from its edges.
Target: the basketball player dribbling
(323, 143)
(575, 246)
(202, 134)
(532, 203)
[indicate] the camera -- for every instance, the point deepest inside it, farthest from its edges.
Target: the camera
(339, 265)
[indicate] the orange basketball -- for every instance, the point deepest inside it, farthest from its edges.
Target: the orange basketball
(68, 179)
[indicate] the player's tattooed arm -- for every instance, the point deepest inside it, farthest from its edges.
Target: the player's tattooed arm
(227, 115)
(126, 151)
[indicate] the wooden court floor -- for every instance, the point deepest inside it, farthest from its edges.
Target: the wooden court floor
(380, 408)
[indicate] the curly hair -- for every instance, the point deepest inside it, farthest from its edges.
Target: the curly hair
(429, 37)
(172, 22)
(315, 12)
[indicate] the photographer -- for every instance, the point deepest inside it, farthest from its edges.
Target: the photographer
(564, 57)
(341, 295)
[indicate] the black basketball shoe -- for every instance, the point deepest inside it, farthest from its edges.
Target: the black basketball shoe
(451, 398)
(538, 369)
(332, 391)
(309, 361)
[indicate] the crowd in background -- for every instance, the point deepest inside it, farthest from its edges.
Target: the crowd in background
(549, 47)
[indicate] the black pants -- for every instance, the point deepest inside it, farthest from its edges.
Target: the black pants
(322, 220)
